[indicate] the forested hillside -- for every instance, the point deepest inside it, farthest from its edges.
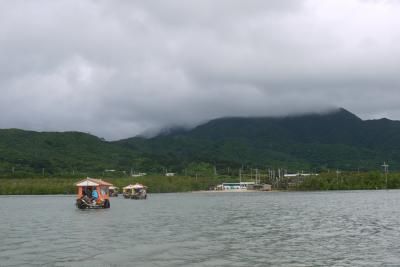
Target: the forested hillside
(309, 142)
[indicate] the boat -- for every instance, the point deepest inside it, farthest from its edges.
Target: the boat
(127, 191)
(85, 189)
(113, 191)
(136, 191)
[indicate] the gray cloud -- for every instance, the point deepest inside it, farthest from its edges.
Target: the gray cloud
(117, 69)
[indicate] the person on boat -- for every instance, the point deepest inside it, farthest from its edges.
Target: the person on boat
(95, 195)
(87, 192)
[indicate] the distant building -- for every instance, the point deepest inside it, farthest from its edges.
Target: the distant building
(260, 187)
(140, 174)
(288, 175)
(233, 186)
(243, 186)
(291, 175)
(170, 174)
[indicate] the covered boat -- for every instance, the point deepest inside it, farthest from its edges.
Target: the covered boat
(136, 191)
(113, 190)
(93, 194)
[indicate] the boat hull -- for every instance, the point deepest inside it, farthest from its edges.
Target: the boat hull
(82, 204)
(138, 197)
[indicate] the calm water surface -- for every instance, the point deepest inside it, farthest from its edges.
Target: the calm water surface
(357, 228)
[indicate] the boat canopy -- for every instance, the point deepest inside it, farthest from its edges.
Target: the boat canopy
(135, 186)
(128, 187)
(113, 187)
(92, 182)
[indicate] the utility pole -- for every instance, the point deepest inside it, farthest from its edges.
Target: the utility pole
(271, 179)
(274, 177)
(386, 169)
(337, 176)
(43, 172)
(240, 175)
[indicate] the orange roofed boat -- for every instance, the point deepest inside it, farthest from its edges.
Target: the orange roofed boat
(93, 194)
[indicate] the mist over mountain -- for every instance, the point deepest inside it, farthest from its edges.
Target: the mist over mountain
(120, 68)
(338, 139)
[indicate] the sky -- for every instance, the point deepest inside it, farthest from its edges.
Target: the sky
(117, 69)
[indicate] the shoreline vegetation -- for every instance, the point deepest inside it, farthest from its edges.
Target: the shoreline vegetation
(164, 184)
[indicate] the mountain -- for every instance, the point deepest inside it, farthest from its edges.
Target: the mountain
(57, 152)
(314, 141)
(338, 139)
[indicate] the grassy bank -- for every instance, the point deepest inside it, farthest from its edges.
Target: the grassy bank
(156, 184)
(351, 181)
(163, 184)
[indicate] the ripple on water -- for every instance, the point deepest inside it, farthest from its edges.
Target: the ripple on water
(258, 229)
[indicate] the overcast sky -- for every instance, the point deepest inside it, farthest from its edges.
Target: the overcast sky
(119, 68)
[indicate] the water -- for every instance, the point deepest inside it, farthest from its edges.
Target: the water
(205, 229)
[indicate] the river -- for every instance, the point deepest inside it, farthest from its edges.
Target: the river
(343, 228)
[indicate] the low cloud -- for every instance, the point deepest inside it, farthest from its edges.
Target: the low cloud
(118, 69)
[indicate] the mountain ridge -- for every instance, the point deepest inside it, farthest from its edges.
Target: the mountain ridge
(338, 139)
